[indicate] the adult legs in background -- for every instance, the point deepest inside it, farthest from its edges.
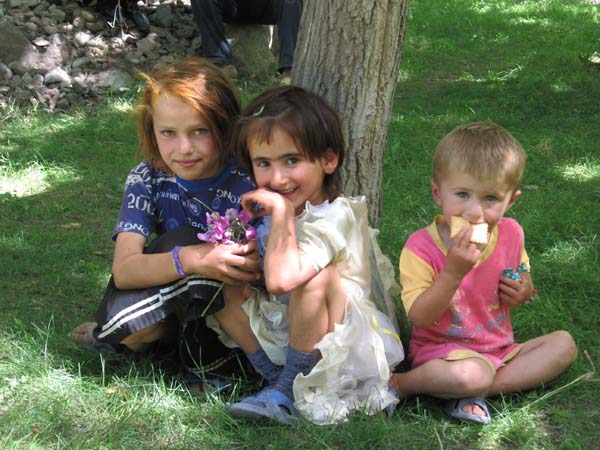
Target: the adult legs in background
(211, 14)
(289, 13)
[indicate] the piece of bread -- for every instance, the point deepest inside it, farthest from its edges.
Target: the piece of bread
(479, 234)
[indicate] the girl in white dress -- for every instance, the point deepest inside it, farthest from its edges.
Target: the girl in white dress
(327, 315)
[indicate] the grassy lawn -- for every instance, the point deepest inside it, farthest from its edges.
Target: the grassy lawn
(522, 64)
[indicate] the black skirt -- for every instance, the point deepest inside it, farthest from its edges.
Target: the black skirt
(187, 301)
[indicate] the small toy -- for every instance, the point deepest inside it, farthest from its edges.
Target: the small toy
(516, 275)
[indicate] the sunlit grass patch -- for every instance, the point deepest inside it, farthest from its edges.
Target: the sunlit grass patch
(123, 105)
(567, 252)
(50, 399)
(34, 178)
(581, 171)
(525, 426)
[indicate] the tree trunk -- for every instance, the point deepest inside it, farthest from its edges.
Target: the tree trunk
(348, 51)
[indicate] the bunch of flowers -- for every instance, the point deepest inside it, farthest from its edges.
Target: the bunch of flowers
(232, 228)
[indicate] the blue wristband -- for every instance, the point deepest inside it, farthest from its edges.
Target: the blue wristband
(177, 262)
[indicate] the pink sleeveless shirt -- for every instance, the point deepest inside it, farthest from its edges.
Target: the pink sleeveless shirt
(475, 319)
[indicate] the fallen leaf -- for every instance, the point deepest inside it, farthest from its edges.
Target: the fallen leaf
(71, 225)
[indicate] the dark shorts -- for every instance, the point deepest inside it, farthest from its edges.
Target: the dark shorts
(182, 303)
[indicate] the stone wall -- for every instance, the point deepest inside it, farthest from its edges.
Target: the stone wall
(57, 53)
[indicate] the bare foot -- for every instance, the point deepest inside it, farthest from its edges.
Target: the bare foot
(83, 334)
(474, 409)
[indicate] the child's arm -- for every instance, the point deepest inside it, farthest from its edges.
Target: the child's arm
(134, 269)
(431, 304)
(514, 293)
(284, 267)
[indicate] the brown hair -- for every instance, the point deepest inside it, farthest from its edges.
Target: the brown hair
(201, 85)
(484, 150)
(311, 123)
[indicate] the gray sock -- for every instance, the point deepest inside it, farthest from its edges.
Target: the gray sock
(295, 362)
(264, 365)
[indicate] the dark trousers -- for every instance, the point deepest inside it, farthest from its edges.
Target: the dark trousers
(210, 15)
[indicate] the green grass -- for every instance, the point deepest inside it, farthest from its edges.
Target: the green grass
(519, 63)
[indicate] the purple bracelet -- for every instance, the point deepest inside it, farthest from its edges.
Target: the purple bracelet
(177, 262)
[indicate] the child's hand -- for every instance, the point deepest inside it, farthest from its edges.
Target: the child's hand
(231, 263)
(262, 202)
(462, 255)
(514, 293)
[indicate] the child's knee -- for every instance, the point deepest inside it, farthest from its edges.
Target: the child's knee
(472, 376)
(565, 345)
(321, 281)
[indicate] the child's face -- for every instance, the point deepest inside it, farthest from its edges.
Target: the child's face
(184, 141)
(281, 167)
(460, 194)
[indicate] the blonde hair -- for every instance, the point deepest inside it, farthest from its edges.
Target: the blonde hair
(484, 150)
(201, 85)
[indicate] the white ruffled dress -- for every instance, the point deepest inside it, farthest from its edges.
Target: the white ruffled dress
(359, 354)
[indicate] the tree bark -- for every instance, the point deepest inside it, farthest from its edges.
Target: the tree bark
(349, 51)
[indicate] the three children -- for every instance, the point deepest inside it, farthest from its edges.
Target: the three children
(322, 332)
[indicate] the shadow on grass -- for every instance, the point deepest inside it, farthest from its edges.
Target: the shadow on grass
(60, 237)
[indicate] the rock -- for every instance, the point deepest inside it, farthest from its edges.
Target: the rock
(5, 72)
(82, 37)
(41, 42)
(80, 62)
(13, 43)
(251, 53)
(15, 3)
(147, 45)
(56, 54)
(58, 75)
(96, 26)
(50, 29)
(114, 79)
(31, 26)
(163, 17)
(58, 15)
(87, 15)
(79, 83)
(37, 81)
(16, 81)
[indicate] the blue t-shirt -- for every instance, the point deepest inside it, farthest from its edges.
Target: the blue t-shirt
(155, 202)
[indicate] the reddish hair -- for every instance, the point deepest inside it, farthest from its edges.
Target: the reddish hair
(201, 85)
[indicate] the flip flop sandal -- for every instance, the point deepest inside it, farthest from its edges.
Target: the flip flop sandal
(267, 404)
(454, 408)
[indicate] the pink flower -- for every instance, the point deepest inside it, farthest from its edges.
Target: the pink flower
(232, 228)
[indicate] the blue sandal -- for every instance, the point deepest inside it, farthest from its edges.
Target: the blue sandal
(454, 407)
(267, 404)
